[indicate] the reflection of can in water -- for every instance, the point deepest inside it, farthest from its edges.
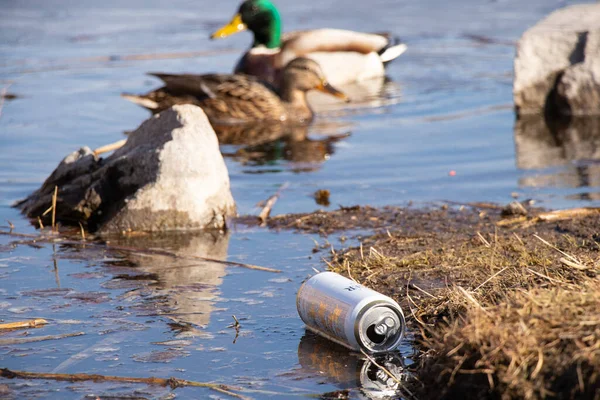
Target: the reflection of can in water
(346, 369)
(350, 314)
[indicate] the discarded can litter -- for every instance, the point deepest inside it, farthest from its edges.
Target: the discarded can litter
(350, 314)
(318, 356)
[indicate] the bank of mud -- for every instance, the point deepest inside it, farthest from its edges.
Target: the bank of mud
(500, 306)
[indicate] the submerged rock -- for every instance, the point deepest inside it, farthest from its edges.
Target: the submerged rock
(169, 175)
(557, 65)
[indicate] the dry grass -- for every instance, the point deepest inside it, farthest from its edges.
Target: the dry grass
(537, 343)
(503, 313)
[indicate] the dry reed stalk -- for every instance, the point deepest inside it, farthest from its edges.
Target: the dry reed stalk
(571, 213)
(110, 147)
(173, 383)
(82, 232)
(54, 198)
(22, 340)
(32, 323)
(266, 211)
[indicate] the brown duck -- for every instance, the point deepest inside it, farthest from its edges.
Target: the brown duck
(240, 98)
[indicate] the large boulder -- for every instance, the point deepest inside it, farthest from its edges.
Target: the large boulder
(557, 66)
(169, 175)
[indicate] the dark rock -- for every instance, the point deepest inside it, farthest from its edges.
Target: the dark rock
(169, 175)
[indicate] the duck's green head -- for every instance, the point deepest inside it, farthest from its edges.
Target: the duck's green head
(261, 18)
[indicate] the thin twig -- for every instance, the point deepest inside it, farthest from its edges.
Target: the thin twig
(10, 225)
(173, 383)
(349, 273)
(184, 256)
(110, 147)
(483, 240)
(229, 393)
(472, 299)
(422, 290)
(24, 324)
(572, 264)
(4, 342)
(545, 276)
(571, 213)
(237, 327)
(45, 239)
(411, 310)
(47, 211)
(490, 278)
(82, 232)
(557, 249)
(266, 211)
(54, 198)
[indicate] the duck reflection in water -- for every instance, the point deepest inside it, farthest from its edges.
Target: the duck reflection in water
(184, 289)
(267, 144)
(572, 145)
(349, 370)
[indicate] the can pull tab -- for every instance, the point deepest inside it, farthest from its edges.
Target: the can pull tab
(383, 327)
(379, 332)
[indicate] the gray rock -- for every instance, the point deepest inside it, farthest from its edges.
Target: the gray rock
(578, 90)
(169, 175)
(557, 63)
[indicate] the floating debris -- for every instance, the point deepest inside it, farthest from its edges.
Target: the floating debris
(514, 208)
(32, 323)
(322, 197)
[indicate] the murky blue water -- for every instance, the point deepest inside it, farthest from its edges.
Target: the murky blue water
(448, 107)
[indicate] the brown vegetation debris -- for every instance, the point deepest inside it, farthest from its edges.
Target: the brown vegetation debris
(503, 312)
(538, 343)
(322, 197)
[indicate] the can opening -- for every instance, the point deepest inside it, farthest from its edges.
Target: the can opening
(374, 336)
(380, 328)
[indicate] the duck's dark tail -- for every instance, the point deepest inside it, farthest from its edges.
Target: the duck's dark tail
(393, 50)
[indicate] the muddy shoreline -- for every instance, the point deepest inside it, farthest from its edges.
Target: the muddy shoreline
(500, 306)
(501, 302)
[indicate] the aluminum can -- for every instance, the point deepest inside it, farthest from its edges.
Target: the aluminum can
(350, 314)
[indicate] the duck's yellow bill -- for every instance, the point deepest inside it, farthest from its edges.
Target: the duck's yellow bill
(234, 26)
(327, 88)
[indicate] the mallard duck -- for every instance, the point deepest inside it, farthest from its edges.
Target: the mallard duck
(236, 98)
(345, 56)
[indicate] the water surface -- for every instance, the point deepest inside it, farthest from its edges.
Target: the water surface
(447, 107)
